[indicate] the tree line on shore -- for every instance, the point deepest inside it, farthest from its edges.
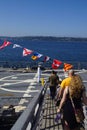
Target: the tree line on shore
(45, 38)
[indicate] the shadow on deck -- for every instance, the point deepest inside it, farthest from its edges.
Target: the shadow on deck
(49, 115)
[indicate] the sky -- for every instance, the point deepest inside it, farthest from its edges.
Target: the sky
(60, 18)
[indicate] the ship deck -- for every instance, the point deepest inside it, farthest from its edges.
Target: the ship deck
(49, 114)
(18, 89)
(50, 111)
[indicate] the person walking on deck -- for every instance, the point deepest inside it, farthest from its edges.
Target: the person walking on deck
(54, 80)
(65, 83)
(71, 103)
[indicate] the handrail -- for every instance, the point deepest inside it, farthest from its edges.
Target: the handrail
(27, 119)
(33, 65)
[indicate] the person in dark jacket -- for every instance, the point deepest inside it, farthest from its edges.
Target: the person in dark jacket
(54, 80)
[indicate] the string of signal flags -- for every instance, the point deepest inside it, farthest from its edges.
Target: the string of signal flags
(35, 55)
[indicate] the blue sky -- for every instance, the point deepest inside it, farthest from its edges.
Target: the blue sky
(43, 18)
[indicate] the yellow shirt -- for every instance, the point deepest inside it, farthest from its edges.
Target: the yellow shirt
(65, 82)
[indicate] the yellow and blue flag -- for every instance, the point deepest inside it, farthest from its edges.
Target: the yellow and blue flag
(36, 55)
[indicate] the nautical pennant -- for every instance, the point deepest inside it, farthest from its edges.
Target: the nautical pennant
(67, 66)
(46, 58)
(16, 45)
(36, 55)
(6, 43)
(56, 64)
(27, 52)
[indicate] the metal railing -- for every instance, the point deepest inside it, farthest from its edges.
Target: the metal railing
(29, 117)
(33, 65)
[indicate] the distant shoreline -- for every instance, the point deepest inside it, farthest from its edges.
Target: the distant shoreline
(45, 38)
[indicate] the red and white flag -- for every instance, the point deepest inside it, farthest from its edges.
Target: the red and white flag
(6, 43)
(56, 64)
(27, 52)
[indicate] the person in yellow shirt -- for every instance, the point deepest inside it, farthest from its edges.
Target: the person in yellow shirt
(71, 102)
(65, 83)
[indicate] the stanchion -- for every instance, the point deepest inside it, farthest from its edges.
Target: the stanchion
(38, 74)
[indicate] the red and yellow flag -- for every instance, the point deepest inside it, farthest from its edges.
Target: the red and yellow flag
(67, 66)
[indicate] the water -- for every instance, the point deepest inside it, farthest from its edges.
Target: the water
(69, 52)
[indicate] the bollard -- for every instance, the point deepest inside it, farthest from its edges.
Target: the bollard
(42, 81)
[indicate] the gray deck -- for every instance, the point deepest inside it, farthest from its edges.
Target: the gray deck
(49, 115)
(49, 109)
(47, 122)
